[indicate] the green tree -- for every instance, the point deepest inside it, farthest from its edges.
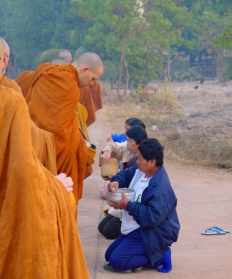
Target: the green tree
(137, 36)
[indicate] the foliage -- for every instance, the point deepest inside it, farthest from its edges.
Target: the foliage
(138, 39)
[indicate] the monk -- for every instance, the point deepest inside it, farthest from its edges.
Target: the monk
(90, 96)
(38, 234)
(89, 70)
(43, 141)
(4, 61)
(52, 100)
(25, 79)
(91, 93)
(56, 56)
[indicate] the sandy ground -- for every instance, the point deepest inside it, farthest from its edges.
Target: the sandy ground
(204, 199)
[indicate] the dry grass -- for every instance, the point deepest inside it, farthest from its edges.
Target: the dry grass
(194, 125)
(203, 150)
(163, 107)
(157, 108)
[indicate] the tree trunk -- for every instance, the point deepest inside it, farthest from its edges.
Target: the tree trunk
(220, 64)
(167, 70)
(126, 76)
(120, 75)
(127, 80)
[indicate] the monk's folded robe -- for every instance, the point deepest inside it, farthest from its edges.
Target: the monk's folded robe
(96, 91)
(82, 116)
(53, 97)
(87, 101)
(90, 102)
(24, 80)
(90, 98)
(5, 81)
(44, 146)
(43, 141)
(38, 233)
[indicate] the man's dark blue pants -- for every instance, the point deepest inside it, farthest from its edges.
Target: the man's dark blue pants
(127, 252)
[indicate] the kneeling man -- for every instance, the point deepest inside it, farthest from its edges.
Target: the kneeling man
(150, 223)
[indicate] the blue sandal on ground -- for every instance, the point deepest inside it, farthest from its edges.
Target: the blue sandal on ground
(215, 230)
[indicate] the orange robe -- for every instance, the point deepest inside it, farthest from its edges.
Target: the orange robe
(24, 80)
(82, 116)
(44, 146)
(96, 90)
(90, 96)
(38, 233)
(9, 83)
(53, 97)
(91, 99)
(43, 141)
(87, 101)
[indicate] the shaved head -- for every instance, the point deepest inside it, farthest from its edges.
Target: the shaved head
(59, 61)
(91, 61)
(65, 55)
(4, 47)
(4, 55)
(56, 56)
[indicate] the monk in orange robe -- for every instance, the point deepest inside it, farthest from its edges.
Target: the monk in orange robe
(24, 80)
(51, 92)
(38, 233)
(43, 141)
(90, 94)
(4, 61)
(53, 98)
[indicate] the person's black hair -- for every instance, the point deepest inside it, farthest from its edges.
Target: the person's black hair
(151, 149)
(137, 133)
(133, 121)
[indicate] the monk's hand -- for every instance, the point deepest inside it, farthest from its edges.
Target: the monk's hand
(66, 181)
(113, 186)
(122, 204)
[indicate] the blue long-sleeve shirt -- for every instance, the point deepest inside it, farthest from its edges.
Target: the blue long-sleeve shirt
(156, 213)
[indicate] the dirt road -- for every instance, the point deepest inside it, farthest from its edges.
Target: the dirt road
(204, 199)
